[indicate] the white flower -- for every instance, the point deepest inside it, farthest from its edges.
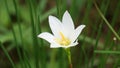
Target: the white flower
(64, 33)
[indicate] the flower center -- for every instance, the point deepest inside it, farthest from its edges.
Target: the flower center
(63, 40)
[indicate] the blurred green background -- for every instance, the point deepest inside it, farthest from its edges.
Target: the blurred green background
(22, 20)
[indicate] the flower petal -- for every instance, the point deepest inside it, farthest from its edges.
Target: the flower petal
(71, 45)
(74, 44)
(67, 23)
(47, 36)
(67, 20)
(76, 33)
(54, 45)
(55, 25)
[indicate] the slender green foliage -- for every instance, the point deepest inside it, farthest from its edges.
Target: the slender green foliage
(34, 35)
(8, 56)
(98, 43)
(20, 31)
(107, 22)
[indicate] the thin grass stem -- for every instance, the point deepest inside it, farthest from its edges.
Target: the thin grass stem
(34, 34)
(117, 36)
(106, 52)
(7, 54)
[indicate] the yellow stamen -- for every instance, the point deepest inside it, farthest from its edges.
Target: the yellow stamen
(63, 41)
(62, 36)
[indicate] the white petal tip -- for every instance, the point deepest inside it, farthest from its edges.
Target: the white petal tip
(66, 13)
(50, 16)
(39, 35)
(83, 26)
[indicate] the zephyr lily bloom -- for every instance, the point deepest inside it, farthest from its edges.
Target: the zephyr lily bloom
(64, 33)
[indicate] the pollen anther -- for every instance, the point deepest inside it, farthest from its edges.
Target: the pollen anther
(63, 40)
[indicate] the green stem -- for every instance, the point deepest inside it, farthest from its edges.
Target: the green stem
(103, 17)
(34, 34)
(69, 57)
(8, 56)
(107, 52)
